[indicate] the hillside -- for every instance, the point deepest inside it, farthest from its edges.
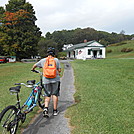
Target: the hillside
(123, 49)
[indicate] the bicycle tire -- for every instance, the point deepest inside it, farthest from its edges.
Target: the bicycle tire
(8, 123)
(41, 100)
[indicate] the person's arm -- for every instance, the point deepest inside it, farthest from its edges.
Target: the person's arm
(38, 64)
(58, 67)
(59, 70)
(34, 66)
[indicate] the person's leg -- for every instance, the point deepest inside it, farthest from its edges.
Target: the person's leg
(47, 101)
(55, 102)
(55, 95)
(47, 89)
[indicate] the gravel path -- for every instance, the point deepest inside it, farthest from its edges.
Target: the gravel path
(58, 124)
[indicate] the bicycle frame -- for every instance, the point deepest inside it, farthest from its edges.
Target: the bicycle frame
(33, 97)
(31, 101)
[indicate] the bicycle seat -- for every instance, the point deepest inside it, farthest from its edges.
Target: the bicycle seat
(31, 82)
(15, 89)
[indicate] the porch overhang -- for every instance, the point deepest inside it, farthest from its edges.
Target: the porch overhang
(95, 49)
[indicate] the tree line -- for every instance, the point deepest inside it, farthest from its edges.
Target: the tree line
(20, 37)
(58, 38)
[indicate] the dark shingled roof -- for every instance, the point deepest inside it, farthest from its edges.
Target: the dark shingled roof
(80, 45)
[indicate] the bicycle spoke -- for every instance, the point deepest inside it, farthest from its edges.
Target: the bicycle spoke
(9, 118)
(8, 124)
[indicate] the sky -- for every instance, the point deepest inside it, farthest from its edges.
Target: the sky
(102, 15)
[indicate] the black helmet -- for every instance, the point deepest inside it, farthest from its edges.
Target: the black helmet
(51, 51)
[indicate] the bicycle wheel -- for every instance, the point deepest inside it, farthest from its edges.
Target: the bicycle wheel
(41, 100)
(8, 120)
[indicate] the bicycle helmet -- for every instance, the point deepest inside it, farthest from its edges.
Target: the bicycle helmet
(51, 51)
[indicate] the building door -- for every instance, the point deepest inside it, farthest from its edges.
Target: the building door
(74, 54)
(69, 54)
(95, 54)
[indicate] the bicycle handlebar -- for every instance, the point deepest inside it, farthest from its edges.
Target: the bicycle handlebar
(24, 84)
(36, 71)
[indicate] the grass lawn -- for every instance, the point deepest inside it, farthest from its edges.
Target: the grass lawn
(116, 50)
(104, 97)
(11, 73)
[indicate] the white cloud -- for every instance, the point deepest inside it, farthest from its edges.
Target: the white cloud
(106, 15)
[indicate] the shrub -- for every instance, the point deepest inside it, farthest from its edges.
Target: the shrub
(109, 51)
(62, 54)
(121, 43)
(126, 50)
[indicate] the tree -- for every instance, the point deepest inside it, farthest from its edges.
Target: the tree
(122, 32)
(44, 44)
(19, 25)
(48, 35)
(1, 15)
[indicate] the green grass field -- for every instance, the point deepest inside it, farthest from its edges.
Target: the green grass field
(116, 50)
(11, 73)
(104, 97)
(104, 92)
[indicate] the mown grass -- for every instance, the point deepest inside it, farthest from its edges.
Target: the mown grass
(11, 73)
(104, 97)
(116, 50)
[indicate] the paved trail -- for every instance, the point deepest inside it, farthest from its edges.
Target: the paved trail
(57, 124)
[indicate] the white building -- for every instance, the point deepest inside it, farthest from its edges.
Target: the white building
(12, 58)
(86, 50)
(65, 47)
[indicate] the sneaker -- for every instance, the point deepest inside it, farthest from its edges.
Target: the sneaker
(45, 112)
(55, 112)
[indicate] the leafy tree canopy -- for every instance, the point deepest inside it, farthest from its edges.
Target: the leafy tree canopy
(18, 25)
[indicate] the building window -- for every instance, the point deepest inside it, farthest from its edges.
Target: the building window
(89, 51)
(100, 52)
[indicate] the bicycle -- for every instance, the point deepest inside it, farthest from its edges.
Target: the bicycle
(13, 114)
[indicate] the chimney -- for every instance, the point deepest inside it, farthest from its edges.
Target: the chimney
(85, 41)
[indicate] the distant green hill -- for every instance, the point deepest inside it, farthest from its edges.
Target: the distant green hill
(123, 49)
